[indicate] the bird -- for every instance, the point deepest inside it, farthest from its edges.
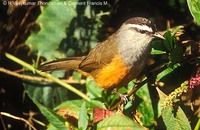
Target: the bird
(117, 60)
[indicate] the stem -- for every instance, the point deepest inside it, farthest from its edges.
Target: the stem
(18, 118)
(56, 80)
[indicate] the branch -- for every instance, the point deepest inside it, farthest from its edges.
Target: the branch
(18, 118)
(34, 78)
(22, 76)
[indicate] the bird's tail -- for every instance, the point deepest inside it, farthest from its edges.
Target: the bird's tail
(62, 64)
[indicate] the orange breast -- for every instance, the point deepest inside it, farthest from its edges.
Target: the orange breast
(113, 74)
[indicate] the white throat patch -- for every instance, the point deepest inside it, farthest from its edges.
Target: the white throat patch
(141, 27)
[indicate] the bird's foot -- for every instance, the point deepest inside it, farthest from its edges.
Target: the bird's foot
(124, 97)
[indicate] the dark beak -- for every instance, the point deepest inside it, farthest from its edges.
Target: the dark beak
(158, 35)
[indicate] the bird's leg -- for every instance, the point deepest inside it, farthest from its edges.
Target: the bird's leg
(131, 93)
(124, 97)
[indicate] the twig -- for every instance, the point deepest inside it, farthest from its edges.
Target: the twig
(18, 118)
(21, 76)
(21, 24)
(34, 78)
(31, 115)
(2, 122)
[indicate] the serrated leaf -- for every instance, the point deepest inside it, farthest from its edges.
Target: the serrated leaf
(83, 118)
(175, 119)
(118, 122)
(73, 107)
(194, 7)
(53, 22)
(69, 108)
(51, 116)
(69, 103)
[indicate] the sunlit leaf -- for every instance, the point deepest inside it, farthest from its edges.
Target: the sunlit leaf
(53, 22)
(145, 108)
(175, 119)
(51, 116)
(83, 118)
(194, 7)
(176, 30)
(93, 90)
(168, 41)
(157, 52)
(72, 107)
(95, 103)
(118, 121)
(77, 76)
(69, 109)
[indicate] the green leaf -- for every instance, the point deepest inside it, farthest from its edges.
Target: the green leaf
(118, 122)
(69, 108)
(175, 119)
(157, 52)
(145, 107)
(77, 76)
(93, 90)
(194, 7)
(78, 103)
(51, 127)
(53, 22)
(197, 127)
(168, 41)
(95, 103)
(45, 93)
(158, 47)
(162, 95)
(83, 118)
(51, 116)
(166, 71)
(73, 107)
(176, 30)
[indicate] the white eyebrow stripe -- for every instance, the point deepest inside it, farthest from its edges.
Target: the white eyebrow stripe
(141, 27)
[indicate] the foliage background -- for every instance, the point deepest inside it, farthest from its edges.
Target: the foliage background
(38, 33)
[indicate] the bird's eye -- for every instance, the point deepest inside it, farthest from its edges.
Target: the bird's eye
(142, 31)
